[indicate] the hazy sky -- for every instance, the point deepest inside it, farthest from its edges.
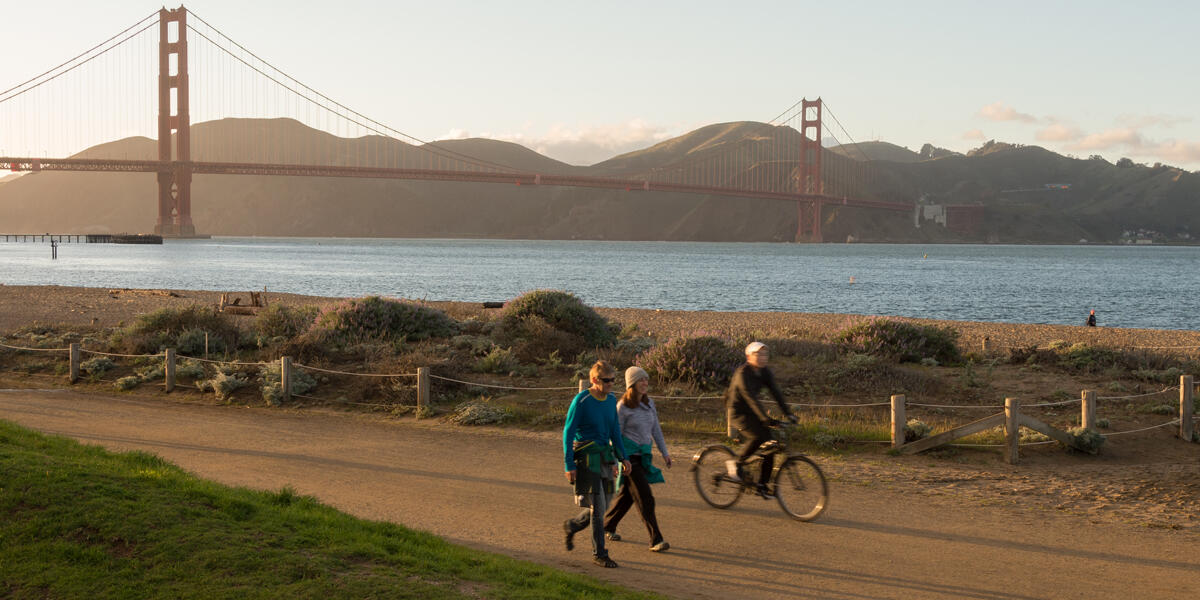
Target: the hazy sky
(582, 81)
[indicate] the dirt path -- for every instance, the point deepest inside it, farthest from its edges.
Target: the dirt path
(878, 541)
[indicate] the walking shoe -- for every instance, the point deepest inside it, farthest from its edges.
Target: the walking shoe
(613, 536)
(605, 562)
(570, 540)
(732, 467)
(764, 491)
(661, 546)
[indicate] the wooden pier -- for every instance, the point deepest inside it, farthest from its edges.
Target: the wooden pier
(84, 238)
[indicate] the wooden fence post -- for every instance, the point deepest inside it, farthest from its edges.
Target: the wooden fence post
(583, 384)
(1185, 407)
(987, 345)
(169, 370)
(422, 390)
(285, 378)
(1087, 417)
(74, 362)
(1012, 426)
(899, 420)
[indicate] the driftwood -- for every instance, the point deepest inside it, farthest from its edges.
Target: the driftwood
(235, 307)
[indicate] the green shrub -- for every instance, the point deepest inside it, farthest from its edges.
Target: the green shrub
(279, 320)
(376, 318)
(127, 383)
(915, 430)
(1082, 357)
(196, 342)
(180, 327)
(189, 369)
(97, 365)
(561, 311)
(499, 361)
(223, 383)
(1086, 440)
(900, 340)
(704, 361)
(478, 412)
(271, 378)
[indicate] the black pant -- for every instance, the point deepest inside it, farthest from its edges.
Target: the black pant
(756, 435)
(635, 489)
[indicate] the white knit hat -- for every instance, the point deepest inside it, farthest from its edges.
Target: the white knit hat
(754, 347)
(633, 375)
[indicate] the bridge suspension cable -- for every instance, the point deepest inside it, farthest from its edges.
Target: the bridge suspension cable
(4, 94)
(350, 115)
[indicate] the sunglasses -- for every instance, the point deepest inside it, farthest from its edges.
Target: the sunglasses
(607, 379)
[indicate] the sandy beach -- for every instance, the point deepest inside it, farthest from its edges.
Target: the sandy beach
(21, 306)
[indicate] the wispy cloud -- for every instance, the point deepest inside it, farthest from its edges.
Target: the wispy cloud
(1112, 139)
(999, 111)
(1058, 132)
(974, 134)
(583, 145)
(1147, 121)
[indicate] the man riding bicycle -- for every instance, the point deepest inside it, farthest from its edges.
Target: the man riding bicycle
(746, 414)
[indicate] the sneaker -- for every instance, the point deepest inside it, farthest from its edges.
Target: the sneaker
(570, 539)
(732, 467)
(764, 491)
(605, 562)
(661, 546)
(612, 536)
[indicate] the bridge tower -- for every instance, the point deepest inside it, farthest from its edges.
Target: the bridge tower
(175, 173)
(810, 182)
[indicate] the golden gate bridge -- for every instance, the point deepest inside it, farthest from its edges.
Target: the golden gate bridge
(784, 160)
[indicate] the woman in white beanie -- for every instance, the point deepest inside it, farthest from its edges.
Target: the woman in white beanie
(639, 428)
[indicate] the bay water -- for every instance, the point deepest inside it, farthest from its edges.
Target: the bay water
(1128, 286)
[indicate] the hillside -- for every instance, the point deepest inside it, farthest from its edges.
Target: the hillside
(1092, 200)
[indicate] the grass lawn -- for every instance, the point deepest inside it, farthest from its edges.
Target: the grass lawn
(79, 521)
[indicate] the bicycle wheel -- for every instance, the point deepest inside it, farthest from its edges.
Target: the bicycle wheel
(800, 488)
(712, 477)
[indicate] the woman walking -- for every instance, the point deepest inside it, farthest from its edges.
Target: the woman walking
(639, 427)
(591, 448)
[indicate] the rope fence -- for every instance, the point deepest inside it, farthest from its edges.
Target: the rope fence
(333, 372)
(1011, 419)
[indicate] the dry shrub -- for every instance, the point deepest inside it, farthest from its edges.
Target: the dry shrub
(704, 361)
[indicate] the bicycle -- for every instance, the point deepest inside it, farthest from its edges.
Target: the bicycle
(797, 483)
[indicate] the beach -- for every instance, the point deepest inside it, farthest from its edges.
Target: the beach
(21, 306)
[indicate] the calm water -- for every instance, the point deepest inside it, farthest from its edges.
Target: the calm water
(1152, 287)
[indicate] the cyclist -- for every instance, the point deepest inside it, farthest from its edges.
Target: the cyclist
(748, 415)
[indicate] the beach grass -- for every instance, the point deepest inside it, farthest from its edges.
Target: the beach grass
(78, 521)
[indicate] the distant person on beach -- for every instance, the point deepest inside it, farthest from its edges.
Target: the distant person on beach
(591, 446)
(1092, 319)
(748, 415)
(640, 428)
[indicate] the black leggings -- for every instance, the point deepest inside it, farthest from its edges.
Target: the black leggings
(635, 489)
(756, 435)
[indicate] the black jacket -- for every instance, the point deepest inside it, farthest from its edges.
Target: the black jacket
(742, 396)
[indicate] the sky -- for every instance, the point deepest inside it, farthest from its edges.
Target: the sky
(584, 81)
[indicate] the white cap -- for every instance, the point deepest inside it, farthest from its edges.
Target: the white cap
(754, 347)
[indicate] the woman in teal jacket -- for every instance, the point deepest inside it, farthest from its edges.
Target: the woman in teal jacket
(591, 447)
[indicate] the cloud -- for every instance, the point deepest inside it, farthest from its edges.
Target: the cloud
(1112, 139)
(583, 145)
(974, 134)
(998, 111)
(454, 134)
(1058, 132)
(1144, 121)
(1177, 152)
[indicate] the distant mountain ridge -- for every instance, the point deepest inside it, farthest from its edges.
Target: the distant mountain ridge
(1093, 200)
